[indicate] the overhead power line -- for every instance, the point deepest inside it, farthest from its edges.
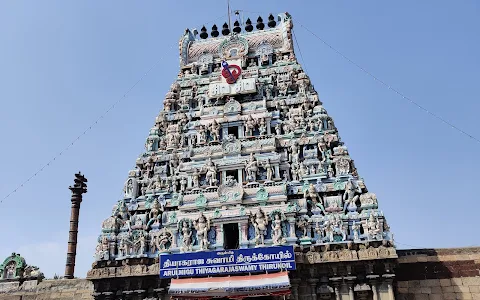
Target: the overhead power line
(391, 88)
(89, 128)
(300, 51)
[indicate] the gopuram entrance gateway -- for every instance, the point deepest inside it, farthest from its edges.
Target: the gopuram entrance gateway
(245, 189)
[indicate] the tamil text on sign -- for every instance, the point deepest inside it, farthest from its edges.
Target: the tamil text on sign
(205, 263)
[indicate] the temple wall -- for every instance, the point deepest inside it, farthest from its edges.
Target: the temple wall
(436, 274)
(428, 274)
(62, 289)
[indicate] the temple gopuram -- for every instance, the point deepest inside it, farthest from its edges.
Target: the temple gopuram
(245, 189)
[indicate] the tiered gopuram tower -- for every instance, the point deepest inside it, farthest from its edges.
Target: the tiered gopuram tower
(245, 187)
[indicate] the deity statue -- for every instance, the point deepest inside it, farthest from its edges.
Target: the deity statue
(295, 171)
(138, 222)
(320, 124)
(171, 140)
(260, 223)
(278, 129)
(154, 246)
(162, 145)
(262, 128)
(302, 171)
(129, 188)
(202, 225)
(303, 224)
(373, 227)
(10, 270)
(193, 140)
(320, 232)
(174, 163)
(215, 131)
(342, 166)
(160, 241)
(349, 196)
(105, 248)
(269, 169)
(182, 141)
(295, 156)
(183, 184)
(302, 123)
(277, 235)
(196, 178)
(333, 227)
(155, 183)
(202, 135)
(330, 124)
(32, 271)
(356, 231)
(186, 237)
(322, 149)
(140, 244)
(330, 172)
(311, 125)
(124, 246)
(251, 168)
(149, 145)
(168, 183)
(286, 128)
(312, 193)
(121, 212)
(154, 216)
(211, 173)
(250, 126)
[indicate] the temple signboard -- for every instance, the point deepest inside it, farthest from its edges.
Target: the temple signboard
(206, 263)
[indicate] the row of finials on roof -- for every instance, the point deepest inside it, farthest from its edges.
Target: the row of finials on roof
(237, 29)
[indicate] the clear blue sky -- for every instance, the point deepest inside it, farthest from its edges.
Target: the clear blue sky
(63, 63)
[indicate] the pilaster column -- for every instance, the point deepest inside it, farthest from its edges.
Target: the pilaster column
(219, 236)
(362, 295)
(243, 232)
(389, 281)
(240, 176)
(373, 280)
(291, 221)
(269, 126)
(336, 281)
(313, 287)
(174, 238)
(160, 293)
(294, 283)
(139, 294)
(129, 295)
(349, 280)
(97, 296)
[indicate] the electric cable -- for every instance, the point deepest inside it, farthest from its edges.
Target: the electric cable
(391, 88)
(89, 128)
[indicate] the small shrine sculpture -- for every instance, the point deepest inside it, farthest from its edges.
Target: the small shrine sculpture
(15, 269)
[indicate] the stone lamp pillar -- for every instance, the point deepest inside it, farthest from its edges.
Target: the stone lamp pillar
(79, 188)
